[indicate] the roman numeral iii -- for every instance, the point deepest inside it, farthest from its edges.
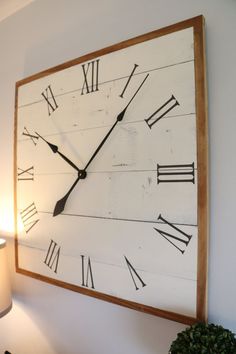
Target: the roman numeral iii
(175, 173)
(179, 239)
(90, 74)
(134, 275)
(50, 99)
(87, 274)
(53, 255)
(162, 111)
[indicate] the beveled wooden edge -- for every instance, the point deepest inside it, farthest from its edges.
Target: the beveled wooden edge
(197, 24)
(115, 300)
(115, 47)
(202, 159)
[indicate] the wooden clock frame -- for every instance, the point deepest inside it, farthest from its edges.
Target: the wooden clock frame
(197, 24)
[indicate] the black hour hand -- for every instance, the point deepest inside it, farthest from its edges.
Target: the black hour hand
(55, 150)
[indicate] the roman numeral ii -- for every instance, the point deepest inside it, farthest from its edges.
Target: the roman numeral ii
(162, 111)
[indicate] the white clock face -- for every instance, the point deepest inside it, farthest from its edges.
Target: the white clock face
(107, 175)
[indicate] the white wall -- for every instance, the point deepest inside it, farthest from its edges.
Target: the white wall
(49, 320)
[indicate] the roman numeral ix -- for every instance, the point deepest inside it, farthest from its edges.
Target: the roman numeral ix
(179, 240)
(53, 255)
(90, 73)
(50, 99)
(25, 175)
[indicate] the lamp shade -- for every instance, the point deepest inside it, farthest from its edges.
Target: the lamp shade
(5, 288)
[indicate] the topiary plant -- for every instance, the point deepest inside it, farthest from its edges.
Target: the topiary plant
(204, 338)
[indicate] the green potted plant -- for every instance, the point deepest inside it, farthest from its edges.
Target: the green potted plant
(204, 338)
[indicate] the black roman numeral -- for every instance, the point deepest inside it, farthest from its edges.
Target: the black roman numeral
(34, 138)
(25, 175)
(27, 217)
(134, 274)
(169, 173)
(53, 255)
(128, 81)
(162, 111)
(180, 242)
(90, 72)
(89, 274)
(50, 99)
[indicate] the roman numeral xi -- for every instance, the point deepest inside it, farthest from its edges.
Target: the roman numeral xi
(50, 99)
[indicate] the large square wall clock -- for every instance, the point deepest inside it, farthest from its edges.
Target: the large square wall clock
(111, 174)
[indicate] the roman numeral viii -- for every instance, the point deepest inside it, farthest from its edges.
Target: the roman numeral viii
(53, 255)
(162, 111)
(28, 217)
(134, 275)
(87, 274)
(179, 239)
(90, 74)
(50, 99)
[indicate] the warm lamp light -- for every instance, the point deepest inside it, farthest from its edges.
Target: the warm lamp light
(5, 288)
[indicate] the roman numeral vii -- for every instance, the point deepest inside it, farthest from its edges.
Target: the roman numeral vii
(53, 255)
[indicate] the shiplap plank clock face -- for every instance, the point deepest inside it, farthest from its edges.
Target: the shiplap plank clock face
(110, 174)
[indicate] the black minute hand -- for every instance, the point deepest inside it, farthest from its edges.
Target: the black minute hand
(54, 149)
(119, 117)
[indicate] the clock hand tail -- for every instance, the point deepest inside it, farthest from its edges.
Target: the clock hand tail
(60, 204)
